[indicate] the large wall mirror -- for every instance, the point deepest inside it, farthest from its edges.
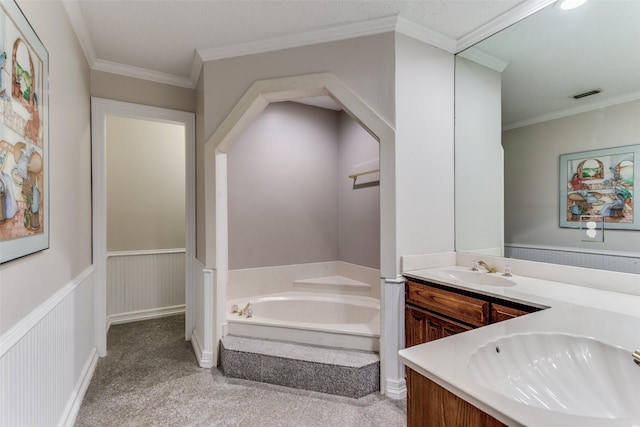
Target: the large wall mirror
(520, 106)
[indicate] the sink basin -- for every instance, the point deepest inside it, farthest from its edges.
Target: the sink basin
(473, 277)
(561, 373)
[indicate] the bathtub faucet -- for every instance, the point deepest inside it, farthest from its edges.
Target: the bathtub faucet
(246, 311)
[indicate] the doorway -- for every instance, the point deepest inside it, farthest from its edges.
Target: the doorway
(143, 213)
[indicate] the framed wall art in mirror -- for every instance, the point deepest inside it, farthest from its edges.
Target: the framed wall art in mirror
(24, 137)
(600, 182)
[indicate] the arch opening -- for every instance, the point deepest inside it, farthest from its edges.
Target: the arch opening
(250, 106)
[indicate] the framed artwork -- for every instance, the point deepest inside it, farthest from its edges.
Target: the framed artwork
(600, 183)
(24, 137)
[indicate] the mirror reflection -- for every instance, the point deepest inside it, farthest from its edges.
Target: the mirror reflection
(560, 82)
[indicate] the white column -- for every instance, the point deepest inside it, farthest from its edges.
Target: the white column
(392, 377)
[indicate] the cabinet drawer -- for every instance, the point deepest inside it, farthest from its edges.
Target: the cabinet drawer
(461, 307)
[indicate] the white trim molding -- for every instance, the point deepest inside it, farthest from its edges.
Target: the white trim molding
(100, 108)
(152, 313)
(70, 413)
(203, 341)
(392, 376)
(146, 252)
(47, 359)
(503, 21)
(22, 328)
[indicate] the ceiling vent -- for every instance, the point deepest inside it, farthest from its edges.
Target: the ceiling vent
(591, 92)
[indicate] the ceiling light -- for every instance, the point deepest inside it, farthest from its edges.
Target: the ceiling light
(571, 4)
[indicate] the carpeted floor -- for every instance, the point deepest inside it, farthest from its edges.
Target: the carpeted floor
(150, 378)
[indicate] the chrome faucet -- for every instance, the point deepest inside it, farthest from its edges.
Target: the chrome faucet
(636, 357)
(487, 267)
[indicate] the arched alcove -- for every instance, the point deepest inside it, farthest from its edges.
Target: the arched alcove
(248, 108)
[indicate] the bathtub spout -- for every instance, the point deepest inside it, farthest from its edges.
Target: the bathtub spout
(245, 310)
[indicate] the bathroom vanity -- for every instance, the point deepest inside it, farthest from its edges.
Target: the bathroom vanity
(435, 311)
(526, 341)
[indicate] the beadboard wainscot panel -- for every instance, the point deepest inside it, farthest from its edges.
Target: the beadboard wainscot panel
(47, 360)
(623, 262)
(202, 335)
(145, 285)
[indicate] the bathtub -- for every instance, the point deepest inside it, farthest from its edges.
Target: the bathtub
(331, 320)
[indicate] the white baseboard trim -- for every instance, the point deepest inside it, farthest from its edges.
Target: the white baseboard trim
(396, 389)
(70, 413)
(205, 359)
(151, 313)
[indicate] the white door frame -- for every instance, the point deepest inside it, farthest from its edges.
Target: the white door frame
(100, 108)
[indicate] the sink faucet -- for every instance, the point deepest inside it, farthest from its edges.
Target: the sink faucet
(636, 357)
(487, 267)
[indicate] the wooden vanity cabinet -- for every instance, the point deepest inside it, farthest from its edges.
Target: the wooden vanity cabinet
(430, 405)
(435, 311)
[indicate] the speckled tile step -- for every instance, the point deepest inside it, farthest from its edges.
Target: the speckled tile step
(333, 371)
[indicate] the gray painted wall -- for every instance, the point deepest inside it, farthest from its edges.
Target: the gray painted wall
(532, 174)
(282, 176)
(28, 282)
(138, 91)
(290, 198)
(359, 206)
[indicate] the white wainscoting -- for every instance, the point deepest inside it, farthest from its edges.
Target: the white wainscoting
(145, 285)
(47, 360)
(624, 262)
(203, 304)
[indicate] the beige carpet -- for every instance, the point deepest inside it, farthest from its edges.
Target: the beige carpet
(150, 378)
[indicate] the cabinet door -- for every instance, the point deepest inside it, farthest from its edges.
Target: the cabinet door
(501, 312)
(415, 326)
(429, 405)
(422, 326)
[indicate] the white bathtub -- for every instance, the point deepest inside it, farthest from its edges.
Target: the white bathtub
(332, 320)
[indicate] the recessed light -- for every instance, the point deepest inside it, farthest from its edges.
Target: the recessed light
(571, 4)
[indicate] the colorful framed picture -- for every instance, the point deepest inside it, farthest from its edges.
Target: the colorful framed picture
(24, 137)
(600, 182)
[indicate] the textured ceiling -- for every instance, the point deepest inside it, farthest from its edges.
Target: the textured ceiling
(163, 36)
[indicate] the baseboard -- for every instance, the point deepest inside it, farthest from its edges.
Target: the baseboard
(75, 400)
(205, 359)
(136, 316)
(396, 389)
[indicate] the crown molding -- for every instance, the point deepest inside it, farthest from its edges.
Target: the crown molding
(594, 105)
(322, 35)
(478, 56)
(424, 34)
(142, 73)
(72, 8)
(508, 18)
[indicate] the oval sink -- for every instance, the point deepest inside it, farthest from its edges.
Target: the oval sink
(561, 373)
(473, 277)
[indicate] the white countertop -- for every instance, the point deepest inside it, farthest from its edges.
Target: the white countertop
(610, 317)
